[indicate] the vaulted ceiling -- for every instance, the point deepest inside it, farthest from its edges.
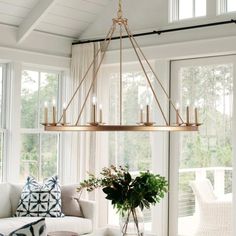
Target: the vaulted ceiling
(63, 17)
(77, 18)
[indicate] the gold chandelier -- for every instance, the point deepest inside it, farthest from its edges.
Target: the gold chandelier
(144, 124)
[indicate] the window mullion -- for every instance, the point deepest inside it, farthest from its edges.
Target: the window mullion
(223, 6)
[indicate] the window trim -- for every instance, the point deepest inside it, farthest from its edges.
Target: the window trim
(3, 125)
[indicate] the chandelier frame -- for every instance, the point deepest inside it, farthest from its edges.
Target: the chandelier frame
(180, 125)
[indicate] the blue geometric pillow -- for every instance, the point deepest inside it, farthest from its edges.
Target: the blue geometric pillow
(40, 200)
(37, 228)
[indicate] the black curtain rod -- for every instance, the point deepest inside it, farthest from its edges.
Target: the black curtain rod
(160, 31)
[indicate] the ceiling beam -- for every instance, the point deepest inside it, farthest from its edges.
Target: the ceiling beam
(34, 18)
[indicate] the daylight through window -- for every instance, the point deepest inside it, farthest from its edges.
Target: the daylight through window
(186, 9)
(39, 150)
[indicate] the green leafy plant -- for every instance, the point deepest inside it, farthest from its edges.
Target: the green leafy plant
(125, 192)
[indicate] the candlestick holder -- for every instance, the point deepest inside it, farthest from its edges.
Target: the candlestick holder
(49, 124)
(148, 123)
(94, 123)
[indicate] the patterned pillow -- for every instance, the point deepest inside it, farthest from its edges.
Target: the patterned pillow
(37, 228)
(40, 200)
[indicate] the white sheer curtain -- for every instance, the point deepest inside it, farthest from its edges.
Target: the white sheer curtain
(85, 151)
(80, 150)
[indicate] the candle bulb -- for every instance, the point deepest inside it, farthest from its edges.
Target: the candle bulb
(196, 117)
(46, 113)
(141, 114)
(64, 113)
(54, 111)
(196, 114)
(177, 113)
(187, 113)
(100, 114)
(94, 101)
(147, 110)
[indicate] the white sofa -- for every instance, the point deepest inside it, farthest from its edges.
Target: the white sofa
(9, 198)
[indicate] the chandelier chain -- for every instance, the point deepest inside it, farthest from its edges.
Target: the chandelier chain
(120, 12)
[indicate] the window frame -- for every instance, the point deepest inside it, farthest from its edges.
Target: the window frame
(3, 125)
(40, 130)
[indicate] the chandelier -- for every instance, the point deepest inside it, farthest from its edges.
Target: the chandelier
(145, 123)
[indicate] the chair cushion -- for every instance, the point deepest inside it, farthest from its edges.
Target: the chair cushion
(5, 204)
(40, 200)
(70, 205)
(37, 228)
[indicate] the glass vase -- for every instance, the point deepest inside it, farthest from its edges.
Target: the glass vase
(132, 223)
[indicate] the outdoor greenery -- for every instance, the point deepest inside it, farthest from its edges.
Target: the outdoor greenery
(211, 87)
(38, 151)
(129, 148)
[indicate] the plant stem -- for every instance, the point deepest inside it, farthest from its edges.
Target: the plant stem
(136, 221)
(125, 226)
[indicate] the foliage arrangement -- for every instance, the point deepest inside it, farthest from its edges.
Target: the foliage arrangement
(126, 192)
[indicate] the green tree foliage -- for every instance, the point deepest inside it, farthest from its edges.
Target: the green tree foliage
(133, 148)
(211, 86)
(38, 151)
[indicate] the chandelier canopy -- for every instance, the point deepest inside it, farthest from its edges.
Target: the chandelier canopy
(144, 124)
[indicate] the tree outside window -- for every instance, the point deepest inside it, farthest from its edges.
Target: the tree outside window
(39, 150)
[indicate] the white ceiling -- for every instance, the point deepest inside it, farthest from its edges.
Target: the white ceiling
(63, 17)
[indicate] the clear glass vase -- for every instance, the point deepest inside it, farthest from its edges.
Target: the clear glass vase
(132, 223)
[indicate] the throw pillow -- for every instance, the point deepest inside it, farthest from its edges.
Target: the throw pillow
(37, 228)
(70, 205)
(40, 200)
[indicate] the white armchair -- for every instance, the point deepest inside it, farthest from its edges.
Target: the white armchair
(215, 215)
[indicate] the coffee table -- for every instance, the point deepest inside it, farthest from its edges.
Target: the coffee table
(62, 233)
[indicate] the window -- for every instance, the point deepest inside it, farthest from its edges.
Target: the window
(128, 148)
(185, 9)
(225, 6)
(39, 150)
(207, 154)
(231, 5)
(2, 118)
